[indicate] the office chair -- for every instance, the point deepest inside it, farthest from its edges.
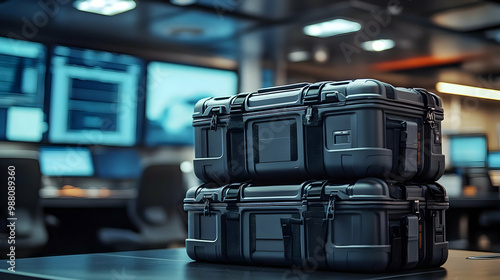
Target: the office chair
(156, 212)
(480, 178)
(488, 220)
(30, 231)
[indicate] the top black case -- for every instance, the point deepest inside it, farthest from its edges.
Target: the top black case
(338, 130)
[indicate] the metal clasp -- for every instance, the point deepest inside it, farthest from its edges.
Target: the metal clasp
(215, 114)
(416, 208)
(206, 208)
(431, 117)
(309, 115)
(330, 209)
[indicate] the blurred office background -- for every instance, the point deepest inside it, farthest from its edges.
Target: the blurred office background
(96, 98)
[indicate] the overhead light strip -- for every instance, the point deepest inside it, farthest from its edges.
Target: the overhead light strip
(468, 91)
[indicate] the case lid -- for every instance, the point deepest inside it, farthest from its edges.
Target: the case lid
(363, 189)
(367, 189)
(339, 92)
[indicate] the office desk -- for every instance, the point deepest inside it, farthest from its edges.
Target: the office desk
(175, 264)
(482, 202)
(85, 202)
(113, 199)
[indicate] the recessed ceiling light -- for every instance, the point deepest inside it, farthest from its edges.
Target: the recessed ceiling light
(321, 54)
(468, 91)
(183, 2)
(378, 45)
(331, 28)
(104, 7)
(298, 56)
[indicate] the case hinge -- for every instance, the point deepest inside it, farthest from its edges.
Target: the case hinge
(233, 192)
(238, 104)
(312, 94)
(215, 115)
(206, 201)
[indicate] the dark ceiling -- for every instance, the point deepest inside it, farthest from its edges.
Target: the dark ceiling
(431, 44)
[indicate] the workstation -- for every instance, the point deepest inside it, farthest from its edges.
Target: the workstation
(97, 102)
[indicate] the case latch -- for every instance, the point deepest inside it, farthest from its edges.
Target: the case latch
(431, 114)
(311, 117)
(431, 120)
(215, 115)
(206, 201)
(416, 208)
(330, 209)
(431, 117)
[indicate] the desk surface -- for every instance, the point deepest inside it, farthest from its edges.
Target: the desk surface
(113, 198)
(482, 202)
(175, 264)
(84, 202)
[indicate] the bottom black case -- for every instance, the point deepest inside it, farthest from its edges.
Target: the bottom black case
(367, 226)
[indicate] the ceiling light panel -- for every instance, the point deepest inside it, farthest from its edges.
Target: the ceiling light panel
(104, 7)
(331, 28)
(183, 2)
(378, 45)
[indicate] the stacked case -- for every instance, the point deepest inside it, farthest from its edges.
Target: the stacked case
(336, 174)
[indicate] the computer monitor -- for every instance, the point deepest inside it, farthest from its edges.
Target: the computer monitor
(66, 161)
(468, 150)
(117, 163)
(94, 97)
(22, 75)
(172, 92)
(494, 160)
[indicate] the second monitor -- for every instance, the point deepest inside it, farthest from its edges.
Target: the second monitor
(172, 92)
(93, 97)
(468, 150)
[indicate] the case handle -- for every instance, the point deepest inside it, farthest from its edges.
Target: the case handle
(282, 88)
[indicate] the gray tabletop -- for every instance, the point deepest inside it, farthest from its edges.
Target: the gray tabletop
(175, 264)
